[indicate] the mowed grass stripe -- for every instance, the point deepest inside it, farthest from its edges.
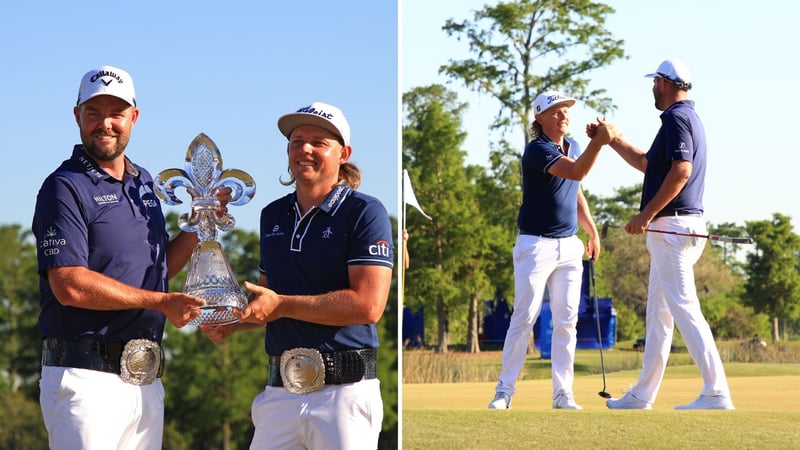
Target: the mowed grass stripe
(658, 429)
(454, 415)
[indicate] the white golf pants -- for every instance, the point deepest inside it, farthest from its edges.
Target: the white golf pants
(672, 300)
(541, 263)
(346, 416)
(86, 409)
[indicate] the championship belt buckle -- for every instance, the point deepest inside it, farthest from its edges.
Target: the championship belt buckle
(302, 370)
(140, 362)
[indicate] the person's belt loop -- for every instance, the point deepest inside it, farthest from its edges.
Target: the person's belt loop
(677, 213)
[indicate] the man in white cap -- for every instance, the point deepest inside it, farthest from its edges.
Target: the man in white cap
(326, 268)
(672, 200)
(548, 253)
(103, 270)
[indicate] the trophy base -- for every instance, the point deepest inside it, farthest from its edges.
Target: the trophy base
(219, 307)
(214, 315)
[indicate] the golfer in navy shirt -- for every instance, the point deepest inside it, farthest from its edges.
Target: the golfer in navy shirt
(548, 252)
(326, 267)
(104, 261)
(672, 200)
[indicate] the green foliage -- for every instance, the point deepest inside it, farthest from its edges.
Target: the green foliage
(21, 425)
(525, 47)
(449, 262)
(730, 252)
(629, 325)
(209, 388)
(20, 342)
(773, 283)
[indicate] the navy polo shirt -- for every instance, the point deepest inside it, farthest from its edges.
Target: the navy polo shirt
(549, 203)
(84, 217)
(310, 255)
(681, 137)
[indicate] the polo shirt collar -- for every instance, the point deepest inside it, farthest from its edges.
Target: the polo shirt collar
(545, 139)
(92, 170)
(332, 201)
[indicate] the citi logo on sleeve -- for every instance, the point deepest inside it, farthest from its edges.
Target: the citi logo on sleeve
(380, 248)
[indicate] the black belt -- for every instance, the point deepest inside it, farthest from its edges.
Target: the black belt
(528, 233)
(85, 353)
(677, 213)
(347, 366)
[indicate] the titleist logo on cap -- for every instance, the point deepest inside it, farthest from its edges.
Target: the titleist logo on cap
(312, 110)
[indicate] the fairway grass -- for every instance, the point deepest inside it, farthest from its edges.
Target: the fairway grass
(455, 415)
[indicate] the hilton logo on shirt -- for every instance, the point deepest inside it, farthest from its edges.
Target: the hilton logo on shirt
(380, 248)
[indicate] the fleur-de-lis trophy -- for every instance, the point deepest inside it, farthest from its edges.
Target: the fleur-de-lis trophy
(209, 275)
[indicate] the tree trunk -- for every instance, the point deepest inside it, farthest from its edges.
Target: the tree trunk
(226, 434)
(473, 346)
(444, 328)
(776, 333)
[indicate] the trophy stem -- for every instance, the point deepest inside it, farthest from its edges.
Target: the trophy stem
(210, 277)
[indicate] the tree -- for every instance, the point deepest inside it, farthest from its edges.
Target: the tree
(443, 273)
(773, 285)
(498, 195)
(730, 251)
(21, 423)
(526, 47)
(20, 341)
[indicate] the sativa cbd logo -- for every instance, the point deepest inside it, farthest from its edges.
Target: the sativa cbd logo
(50, 245)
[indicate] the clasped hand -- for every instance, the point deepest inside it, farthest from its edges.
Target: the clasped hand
(606, 133)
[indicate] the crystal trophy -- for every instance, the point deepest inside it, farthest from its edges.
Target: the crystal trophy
(209, 275)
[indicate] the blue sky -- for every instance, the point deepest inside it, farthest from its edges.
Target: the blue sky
(741, 56)
(228, 70)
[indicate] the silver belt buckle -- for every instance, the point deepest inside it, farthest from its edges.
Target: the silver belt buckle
(140, 361)
(302, 370)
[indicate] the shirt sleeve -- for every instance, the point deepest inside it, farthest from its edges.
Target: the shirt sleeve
(539, 156)
(678, 138)
(59, 226)
(372, 237)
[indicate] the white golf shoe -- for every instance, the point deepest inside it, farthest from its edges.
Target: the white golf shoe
(709, 402)
(501, 401)
(628, 401)
(564, 400)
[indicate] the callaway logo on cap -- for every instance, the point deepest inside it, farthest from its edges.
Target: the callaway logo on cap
(107, 80)
(318, 114)
(549, 99)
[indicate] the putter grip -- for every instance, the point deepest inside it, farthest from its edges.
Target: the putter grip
(734, 240)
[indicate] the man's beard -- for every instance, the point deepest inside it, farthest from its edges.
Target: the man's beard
(102, 154)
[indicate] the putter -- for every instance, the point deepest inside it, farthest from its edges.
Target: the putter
(602, 393)
(710, 237)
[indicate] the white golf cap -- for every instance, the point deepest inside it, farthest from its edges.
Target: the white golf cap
(107, 80)
(318, 114)
(675, 71)
(549, 99)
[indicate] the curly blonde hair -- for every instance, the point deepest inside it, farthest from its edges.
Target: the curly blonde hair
(535, 130)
